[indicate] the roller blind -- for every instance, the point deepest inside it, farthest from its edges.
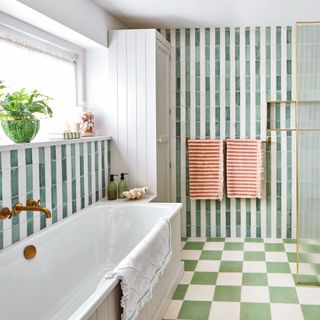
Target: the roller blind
(52, 73)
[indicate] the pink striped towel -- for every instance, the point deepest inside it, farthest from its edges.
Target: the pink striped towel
(206, 169)
(245, 170)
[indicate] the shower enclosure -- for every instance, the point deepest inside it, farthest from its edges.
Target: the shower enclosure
(308, 151)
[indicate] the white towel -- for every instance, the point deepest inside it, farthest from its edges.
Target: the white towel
(140, 270)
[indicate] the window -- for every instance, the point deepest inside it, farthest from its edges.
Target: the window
(36, 63)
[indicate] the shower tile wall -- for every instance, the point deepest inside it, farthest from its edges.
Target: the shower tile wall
(65, 177)
(221, 81)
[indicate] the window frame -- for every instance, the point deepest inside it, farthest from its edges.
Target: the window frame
(14, 29)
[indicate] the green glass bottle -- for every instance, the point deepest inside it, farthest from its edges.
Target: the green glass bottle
(112, 188)
(122, 186)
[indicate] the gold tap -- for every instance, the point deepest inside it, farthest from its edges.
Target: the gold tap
(5, 213)
(31, 205)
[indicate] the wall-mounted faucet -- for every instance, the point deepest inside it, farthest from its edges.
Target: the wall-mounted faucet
(31, 205)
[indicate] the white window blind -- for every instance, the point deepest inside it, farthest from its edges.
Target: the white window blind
(24, 66)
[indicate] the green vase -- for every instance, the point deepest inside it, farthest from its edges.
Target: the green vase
(20, 131)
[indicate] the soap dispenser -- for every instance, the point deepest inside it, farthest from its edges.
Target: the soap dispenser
(122, 186)
(112, 188)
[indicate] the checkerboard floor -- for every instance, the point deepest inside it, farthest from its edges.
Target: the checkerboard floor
(231, 279)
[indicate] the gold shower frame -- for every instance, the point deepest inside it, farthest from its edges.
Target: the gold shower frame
(297, 130)
(299, 23)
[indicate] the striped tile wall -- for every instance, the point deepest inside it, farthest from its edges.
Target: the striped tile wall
(65, 177)
(221, 81)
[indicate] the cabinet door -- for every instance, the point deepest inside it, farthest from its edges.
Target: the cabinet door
(163, 123)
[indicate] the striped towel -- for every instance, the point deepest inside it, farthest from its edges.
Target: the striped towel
(244, 168)
(206, 169)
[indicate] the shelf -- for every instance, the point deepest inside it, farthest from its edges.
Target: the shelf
(37, 144)
(274, 115)
(292, 101)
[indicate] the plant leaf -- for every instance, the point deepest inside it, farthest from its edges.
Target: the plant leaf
(22, 104)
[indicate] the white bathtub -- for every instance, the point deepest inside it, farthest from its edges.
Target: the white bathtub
(64, 280)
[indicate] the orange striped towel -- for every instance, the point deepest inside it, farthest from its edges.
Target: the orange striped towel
(244, 168)
(206, 169)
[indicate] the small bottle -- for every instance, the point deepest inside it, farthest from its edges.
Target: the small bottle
(112, 188)
(122, 186)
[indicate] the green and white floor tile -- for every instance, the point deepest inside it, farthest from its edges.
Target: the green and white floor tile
(247, 279)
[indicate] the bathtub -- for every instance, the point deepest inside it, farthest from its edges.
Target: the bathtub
(65, 279)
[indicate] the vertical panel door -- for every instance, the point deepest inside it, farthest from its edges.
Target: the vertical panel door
(163, 122)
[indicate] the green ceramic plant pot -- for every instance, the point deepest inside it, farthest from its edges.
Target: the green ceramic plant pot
(20, 131)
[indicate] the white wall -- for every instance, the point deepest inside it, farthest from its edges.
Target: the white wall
(83, 16)
(78, 21)
(97, 88)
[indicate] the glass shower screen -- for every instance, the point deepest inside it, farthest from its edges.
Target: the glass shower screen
(308, 153)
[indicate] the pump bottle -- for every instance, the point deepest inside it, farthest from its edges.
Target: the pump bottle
(112, 188)
(122, 186)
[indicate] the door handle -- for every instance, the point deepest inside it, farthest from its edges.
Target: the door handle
(163, 139)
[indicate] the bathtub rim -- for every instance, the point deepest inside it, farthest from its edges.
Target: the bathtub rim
(103, 203)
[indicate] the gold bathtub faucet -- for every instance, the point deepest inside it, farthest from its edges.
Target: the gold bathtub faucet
(31, 205)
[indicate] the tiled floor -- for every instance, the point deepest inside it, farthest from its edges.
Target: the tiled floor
(231, 279)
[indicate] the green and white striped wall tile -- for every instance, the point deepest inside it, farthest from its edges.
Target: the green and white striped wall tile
(221, 80)
(65, 177)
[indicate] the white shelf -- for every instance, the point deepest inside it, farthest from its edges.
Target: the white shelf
(37, 144)
(145, 199)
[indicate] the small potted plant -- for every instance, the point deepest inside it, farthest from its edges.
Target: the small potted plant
(18, 112)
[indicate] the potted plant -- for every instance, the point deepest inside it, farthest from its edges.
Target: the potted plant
(18, 113)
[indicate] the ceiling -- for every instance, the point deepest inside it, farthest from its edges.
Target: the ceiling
(210, 13)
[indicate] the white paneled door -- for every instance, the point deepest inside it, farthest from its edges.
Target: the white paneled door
(139, 106)
(163, 122)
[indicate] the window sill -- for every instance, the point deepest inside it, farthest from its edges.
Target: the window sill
(6, 146)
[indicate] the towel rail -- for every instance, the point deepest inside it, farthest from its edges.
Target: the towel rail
(268, 141)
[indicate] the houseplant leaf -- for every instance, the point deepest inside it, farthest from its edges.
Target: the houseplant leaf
(19, 112)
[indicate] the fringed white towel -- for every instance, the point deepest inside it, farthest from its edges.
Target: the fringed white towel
(206, 169)
(140, 270)
(245, 170)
